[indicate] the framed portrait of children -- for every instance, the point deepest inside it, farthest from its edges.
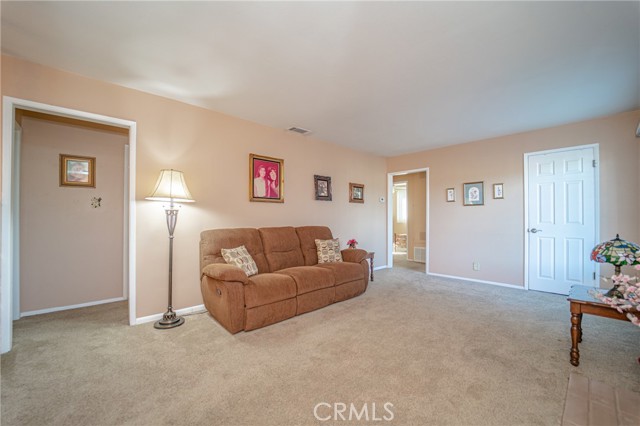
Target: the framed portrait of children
(77, 171)
(266, 179)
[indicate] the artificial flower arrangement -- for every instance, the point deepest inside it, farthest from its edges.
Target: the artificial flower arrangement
(629, 303)
(352, 243)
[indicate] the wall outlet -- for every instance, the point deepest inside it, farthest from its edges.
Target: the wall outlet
(476, 265)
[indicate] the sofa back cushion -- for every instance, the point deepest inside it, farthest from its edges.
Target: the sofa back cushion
(213, 240)
(281, 247)
(308, 236)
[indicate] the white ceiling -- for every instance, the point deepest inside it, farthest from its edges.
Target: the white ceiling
(382, 77)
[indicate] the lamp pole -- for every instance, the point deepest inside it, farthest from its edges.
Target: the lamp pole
(170, 319)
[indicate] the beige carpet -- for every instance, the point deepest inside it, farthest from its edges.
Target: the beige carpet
(442, 352)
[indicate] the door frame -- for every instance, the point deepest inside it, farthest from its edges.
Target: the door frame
(8, 233)
(390, 215)
(527, 155)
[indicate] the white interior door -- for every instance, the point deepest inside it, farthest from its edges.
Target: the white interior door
(561, 219)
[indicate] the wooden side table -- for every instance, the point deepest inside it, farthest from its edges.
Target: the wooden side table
(370, 256)
(583, 303)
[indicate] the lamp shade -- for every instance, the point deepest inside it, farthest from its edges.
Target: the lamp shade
(617, 252)
(172, 187)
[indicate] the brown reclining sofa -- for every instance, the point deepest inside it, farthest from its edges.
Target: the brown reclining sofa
(289, 282)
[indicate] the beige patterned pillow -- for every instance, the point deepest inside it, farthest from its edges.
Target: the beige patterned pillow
(241, 258)
(328, 250)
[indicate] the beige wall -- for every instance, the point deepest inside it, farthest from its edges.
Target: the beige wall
(70, 252)
(213, 151)
(494, 233)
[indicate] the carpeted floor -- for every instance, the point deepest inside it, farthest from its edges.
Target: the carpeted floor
(442, 352)
(400, 261)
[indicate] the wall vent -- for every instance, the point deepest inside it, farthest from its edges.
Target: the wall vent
(299, 130)
(420, 254)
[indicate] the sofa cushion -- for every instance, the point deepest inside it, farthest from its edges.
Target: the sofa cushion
(213, 240)
(309, 278)
(281, 247)
(344, 272)
(241, 258)
(328, 251)
(268, 288)
(308, 236)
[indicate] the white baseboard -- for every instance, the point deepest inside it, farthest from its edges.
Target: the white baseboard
(377, 268)
(185, 311)
(518, 287)
(65, 308)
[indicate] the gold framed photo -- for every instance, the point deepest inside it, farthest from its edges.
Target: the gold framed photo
(356, 193)
(77, 171)
(266, 179)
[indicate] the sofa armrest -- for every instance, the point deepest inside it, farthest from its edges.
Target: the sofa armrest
(224, 272)
(353, 255)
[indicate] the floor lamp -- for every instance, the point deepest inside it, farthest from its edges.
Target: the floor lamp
(171, 187)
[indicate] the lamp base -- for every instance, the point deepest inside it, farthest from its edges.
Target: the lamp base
(169, 320)
(614, 292)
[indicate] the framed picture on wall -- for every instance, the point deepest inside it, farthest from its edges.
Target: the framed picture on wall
(323, 187)
(77, 171)
(497, 191)
(266, 179)
(473, 193)
(356, 193)
(451, 195)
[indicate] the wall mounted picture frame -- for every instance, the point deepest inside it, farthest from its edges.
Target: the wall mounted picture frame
(266, 179)
(451, 195)
(498, 191)
(323, 187)
(473, 193)
(77, 171)
(356, 193)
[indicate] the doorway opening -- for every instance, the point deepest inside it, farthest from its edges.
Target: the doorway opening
(408, 246)
(10, 277)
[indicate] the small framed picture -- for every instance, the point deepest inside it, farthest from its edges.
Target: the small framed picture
(356, 193)
(323, 187)
(497, 191)
(266, 179)
(77, 171)
(473, 193)
(451, 195)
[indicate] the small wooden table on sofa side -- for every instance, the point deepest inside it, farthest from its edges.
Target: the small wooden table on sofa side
(370, 256)
(581, 302)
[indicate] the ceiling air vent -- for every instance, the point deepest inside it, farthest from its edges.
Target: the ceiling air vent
(299, 130)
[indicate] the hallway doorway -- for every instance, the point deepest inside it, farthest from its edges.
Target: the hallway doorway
(10, 250)
(408, 242)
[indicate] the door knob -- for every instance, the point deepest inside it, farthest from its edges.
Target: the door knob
(534, 230)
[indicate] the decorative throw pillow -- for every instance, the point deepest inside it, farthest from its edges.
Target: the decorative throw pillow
(241, 258)
(328, 250)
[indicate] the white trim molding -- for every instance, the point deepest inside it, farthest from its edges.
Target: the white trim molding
(198, 309)
(516, 286)
(66, 308)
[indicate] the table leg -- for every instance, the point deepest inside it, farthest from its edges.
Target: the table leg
(579, 328)
(576, 327)
(371, 267)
